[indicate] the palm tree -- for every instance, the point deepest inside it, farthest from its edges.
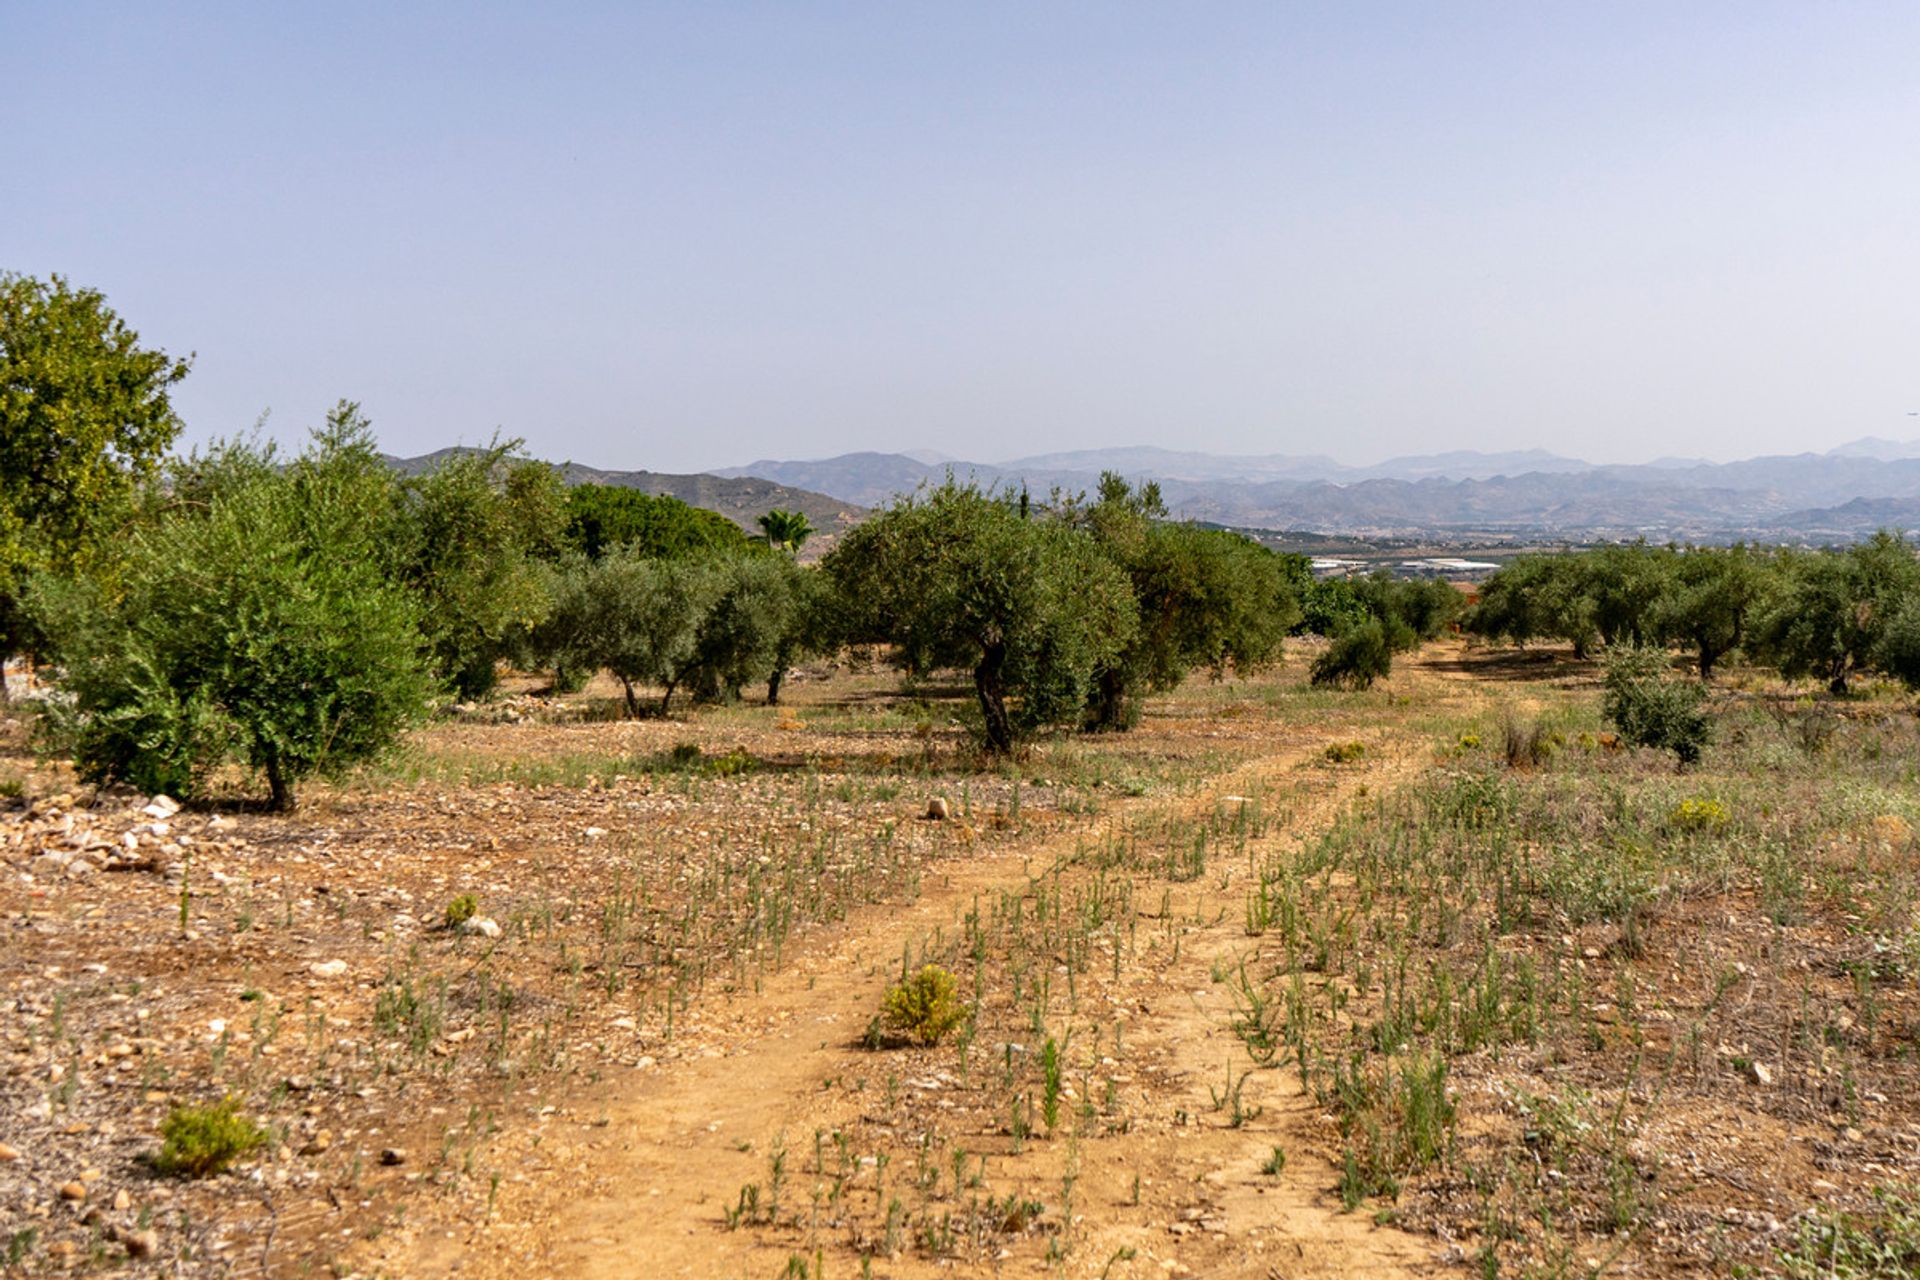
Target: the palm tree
(786, 530)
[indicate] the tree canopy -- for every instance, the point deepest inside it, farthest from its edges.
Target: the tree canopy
(602, 518)
(255, 620)
(85, 414)
(958, 578)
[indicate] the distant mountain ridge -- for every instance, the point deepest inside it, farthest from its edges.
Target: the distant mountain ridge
(1841, 493)
(742, 499)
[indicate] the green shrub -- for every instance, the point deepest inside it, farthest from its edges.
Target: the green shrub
(1344, 752)
(1357, 657)
(1650, 707)
(254, 619)
(461, 910)
(197, 1142)
(926, 1006)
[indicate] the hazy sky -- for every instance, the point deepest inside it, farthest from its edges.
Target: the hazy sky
(677, 237)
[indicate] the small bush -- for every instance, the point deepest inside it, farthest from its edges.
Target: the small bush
(1357, 657)
(197, 1142)
(1344, 752)
(1697, 814)
(461, 910)
(1650, 707)
(926, 1006)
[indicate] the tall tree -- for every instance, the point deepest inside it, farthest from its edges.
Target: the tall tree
(604, 517)
(85, 415)
(1712, 598)
(467, 534)
(1206, 598)
(1831, 616)
(956, 578)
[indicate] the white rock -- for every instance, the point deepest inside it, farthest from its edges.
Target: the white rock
(161, 807)
(481, 925)
(327, 968)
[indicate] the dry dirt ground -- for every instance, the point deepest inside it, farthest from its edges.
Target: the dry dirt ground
(651, 1050)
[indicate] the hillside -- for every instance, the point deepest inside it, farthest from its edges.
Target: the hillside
(1463, 493)
(742, 499)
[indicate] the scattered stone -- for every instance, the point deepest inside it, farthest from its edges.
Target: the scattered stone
(327, 968)
(8, 1154)
(1759, 1072)
(485, 926)
(75, 1190)
(938, 810)
(393, 1155)
(160, 808)
(318, 1143)
(122, 1200)
(140, 1244)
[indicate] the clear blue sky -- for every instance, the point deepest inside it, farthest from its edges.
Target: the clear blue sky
(677, 237)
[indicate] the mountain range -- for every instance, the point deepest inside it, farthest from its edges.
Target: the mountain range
(1833, 496)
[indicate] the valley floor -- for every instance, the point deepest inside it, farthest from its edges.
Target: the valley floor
(1432, 979)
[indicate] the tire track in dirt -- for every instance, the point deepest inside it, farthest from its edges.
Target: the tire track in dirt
(635, 1180)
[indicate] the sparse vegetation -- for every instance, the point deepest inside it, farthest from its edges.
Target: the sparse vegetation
(925, 1006)
(198, 1142)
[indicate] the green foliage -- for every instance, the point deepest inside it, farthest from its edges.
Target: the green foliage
(84, 417)
(811, 627)
(1825, 615)
(644, 619)
(197, 1142)
(740, 637)
(1652, 709)
(1206, 598)
(956, 578)
(461, 910)
(926, 1006)
(786, 530)
(1897, 651)
(1328, 606)
(1411, 609)
(1712, 597)
(1357, 657)
(1540, 597)
(1835, 612)
(466, 535)
(255, 620)
(602, 518)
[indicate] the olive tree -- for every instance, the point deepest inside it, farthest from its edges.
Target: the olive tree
(465, 540)
(739, 637)
(254, 620)
(1205, 598)
(1712, 598)
(644, 617)
(956, 578)
(1831, 615)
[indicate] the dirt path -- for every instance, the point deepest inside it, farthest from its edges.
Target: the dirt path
(636, 1180)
